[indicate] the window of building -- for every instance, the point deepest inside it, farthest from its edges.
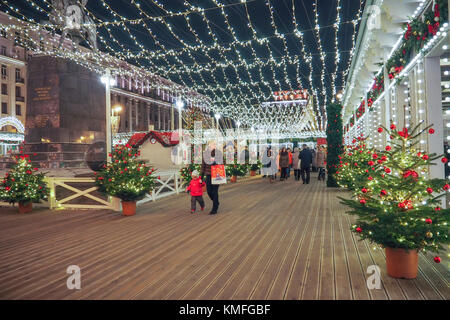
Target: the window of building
(3, 51)
(4, 70)
(4, 108)
(4, 88)
(18, 92)
(18, 110)
(17, 73)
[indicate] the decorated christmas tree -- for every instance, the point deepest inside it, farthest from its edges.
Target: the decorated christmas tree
(125, 177)
(237, 170)
(356, 164)
(186, 172)
(23, 184)
(399, 206)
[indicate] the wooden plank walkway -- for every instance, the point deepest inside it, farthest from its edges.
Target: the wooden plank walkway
(280, 241)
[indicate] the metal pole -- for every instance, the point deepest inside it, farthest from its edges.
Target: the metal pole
(108, 114)
(172, 119)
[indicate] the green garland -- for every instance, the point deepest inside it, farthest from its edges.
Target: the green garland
(22, 185)
(334, 141)
(236, 169)
(125, 177)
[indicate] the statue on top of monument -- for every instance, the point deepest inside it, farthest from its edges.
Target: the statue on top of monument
(69, 16)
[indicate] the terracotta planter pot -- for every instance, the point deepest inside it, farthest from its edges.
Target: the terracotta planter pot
(25, 207)
(233, 179)
(401, 263)
(128, 208)
(252, 173)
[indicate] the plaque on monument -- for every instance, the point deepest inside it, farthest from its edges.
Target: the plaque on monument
(65, 112)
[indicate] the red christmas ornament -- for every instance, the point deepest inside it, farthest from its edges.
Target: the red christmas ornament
(431, 131)
(437, 209)
(446, 187)
(364, 190)
(371, 163)
(425, 157)
(388, 148)
(383, 192)
(359, 230)
(387, 170)
(374, 156)
(393, 127)
(429, 190)
(444, 160)
(437, 259)
(362, 201)
(428, 221)
(370, 178)
(380, 130)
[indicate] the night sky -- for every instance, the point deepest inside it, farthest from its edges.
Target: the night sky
(261, 20)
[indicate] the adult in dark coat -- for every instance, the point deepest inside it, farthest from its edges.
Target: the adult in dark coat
(211, 156)
(306, 159)
(284, 163)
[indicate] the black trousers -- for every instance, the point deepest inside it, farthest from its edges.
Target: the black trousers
(297, 174)
(284, 173)
(194, 200)
(213, 193)
(306, 171)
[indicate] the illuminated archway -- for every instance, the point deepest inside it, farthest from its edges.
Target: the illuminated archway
(14, 122)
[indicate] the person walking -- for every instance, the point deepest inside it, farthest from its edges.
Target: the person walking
(284, 163)
(320, 162)
(269, 164)
(211, 156)
(290, 163)
(306, 158)
(196, 189)
(296, 164)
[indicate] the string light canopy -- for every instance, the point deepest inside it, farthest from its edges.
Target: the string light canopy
(235, 52)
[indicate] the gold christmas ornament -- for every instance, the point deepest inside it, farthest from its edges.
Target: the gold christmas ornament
(429, 235)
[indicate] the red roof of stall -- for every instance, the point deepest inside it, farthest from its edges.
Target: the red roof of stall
(167, 139)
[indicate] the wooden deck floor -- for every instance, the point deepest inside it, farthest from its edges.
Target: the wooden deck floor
(281, 241)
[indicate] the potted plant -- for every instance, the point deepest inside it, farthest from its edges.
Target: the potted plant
(399, 207)
(22, 184)
(236, 170)
(255, 167)
(126, 178)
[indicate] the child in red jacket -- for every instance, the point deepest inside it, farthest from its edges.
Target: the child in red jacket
(195, 187)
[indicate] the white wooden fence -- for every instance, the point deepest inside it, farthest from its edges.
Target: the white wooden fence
(63, 192)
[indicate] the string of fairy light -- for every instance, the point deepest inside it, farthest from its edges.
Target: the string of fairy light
(233, 97)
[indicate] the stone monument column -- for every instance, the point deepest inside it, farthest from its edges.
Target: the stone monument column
(65, 112)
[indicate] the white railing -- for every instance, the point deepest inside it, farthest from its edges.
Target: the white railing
(169, 183)
(64, 191)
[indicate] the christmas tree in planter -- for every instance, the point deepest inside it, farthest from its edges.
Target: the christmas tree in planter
(24, 185)
(399, 207)
(356, 165)
(236, 170)
(126, 178)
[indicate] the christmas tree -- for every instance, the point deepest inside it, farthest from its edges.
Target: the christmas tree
(186, 172)
(125, 177)
(399, 206)
(23, 184)
(356, 164)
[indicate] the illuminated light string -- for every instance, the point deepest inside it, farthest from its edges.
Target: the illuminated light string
(216, 98)
(419, 10)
